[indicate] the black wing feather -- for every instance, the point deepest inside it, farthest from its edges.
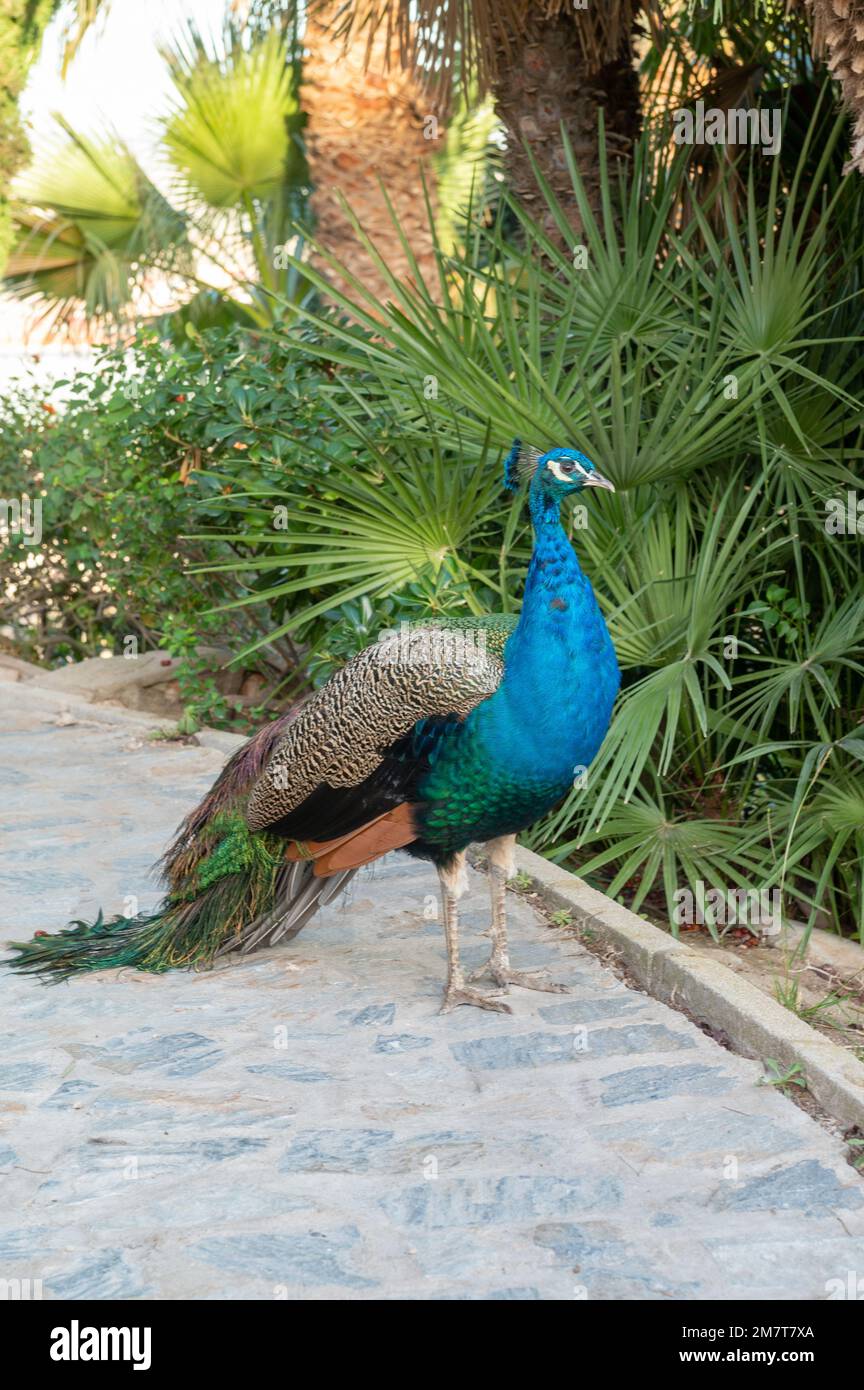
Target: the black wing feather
(329, 812)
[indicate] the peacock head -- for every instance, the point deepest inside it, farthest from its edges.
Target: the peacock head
(557, 473)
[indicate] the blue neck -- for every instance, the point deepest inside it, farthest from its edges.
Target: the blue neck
(560, 672)
(558, 601)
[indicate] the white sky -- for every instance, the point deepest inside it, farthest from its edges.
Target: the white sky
(117, 78)
(118, 81)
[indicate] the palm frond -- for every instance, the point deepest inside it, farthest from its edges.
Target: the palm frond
(86, 216)
(228, 134)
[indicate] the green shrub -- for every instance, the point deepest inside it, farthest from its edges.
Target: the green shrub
(127, 461)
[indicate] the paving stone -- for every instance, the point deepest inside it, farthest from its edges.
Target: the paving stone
(806, 1187)
(590, 1010)
(304, 1260)
(286, 1071)
(640, 1084)
(105, 1275)
(66, 1095)
(22, 1076)
(400, 1042)
(177, 1054)
(727, 1130)
(540, 1049)
(378, 1014)
(477, 1202)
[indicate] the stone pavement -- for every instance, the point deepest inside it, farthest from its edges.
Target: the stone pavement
(304, 1124)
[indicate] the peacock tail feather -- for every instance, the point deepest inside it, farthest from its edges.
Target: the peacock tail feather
(222, 879)
(228, 884)
(231, 887)
(196, 838)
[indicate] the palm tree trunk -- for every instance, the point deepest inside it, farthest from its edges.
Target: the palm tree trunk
(367, 125)
(557, 72)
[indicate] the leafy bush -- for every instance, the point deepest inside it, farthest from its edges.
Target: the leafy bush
(126, 461)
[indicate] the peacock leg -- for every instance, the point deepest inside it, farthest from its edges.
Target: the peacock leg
(453, 881)
(501, 867)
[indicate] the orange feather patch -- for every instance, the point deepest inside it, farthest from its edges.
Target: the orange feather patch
(392, 830)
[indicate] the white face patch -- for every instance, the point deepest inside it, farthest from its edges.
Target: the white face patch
(554, 466)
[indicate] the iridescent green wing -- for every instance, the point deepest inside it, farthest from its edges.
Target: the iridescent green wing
(492, 629)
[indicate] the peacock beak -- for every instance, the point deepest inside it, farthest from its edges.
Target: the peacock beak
(596, 479)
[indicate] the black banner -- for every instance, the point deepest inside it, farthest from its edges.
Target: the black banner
(83, 1339)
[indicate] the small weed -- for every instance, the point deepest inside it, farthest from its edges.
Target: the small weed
(562, 918)
(185, 729)
(856, 1152)
(522, 880)
(787, 992)
(188, 723)
(783, 1080)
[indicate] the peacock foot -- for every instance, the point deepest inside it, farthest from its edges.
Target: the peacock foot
(504, 976)
(455, 995)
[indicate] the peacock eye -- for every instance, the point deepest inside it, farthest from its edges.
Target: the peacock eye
(567, 465)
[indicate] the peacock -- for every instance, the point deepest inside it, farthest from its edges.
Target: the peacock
(443, 733)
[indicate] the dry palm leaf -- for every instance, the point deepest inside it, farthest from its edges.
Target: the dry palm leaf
(838, 32)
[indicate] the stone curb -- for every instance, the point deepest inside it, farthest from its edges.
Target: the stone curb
(756, 1025)
(101, 712)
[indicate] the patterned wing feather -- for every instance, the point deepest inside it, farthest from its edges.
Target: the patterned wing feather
(343, 735)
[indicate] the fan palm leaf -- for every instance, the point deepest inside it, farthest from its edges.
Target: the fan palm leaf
(228, 135)
(87, 217)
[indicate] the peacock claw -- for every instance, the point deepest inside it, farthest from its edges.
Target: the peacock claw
(463, 995)
(503, 976)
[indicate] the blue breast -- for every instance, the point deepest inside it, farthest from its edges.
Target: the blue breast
(518, 752)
